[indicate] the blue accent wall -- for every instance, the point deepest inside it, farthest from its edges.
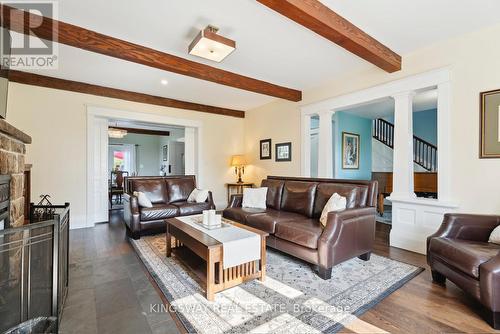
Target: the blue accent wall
(424, 125)
(345, 122)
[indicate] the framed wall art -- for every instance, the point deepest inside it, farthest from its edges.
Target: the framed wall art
(165, 152)
(350, 150)
(489, 133)
(265, 149)
(284, 152)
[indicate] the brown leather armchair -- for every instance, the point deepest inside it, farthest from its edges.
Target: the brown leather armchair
(291, 217)
(460, 251)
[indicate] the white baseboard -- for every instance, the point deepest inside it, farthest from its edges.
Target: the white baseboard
(78, 221)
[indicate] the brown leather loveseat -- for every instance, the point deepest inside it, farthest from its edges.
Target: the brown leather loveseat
(168, 195)
(460, 251)
(291, 218)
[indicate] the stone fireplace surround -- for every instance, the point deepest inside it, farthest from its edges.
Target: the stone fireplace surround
(12, 155)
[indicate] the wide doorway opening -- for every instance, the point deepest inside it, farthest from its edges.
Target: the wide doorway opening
(140, 149)
(125, 143)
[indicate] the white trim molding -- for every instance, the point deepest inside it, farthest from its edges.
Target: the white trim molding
(325, 149)
(413, 218)
(414, 82)
(305, 150)
(97, 145)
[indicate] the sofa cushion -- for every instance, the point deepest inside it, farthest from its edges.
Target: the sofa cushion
(304, 232)
(274, 193)
(154, 189)
(180, 188)
(267, 221)
(298, 197)
(463, 255)
(190, 208)
(324, 192)
(239, 214)
(159, 211)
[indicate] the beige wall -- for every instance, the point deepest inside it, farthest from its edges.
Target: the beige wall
(475, 67)
(56, 120)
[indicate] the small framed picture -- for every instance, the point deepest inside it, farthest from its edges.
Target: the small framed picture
(284, 152)
(350, 150)
(265, 149)
(489, 141)
(165, 152)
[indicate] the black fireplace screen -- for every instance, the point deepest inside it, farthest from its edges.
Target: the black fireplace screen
(34, 269)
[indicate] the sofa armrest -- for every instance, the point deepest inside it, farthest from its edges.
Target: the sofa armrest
(210, 199)
(489, 280)
(347, 233)
(466, 226)
(236, 201)
(132, 202)
(131, 213)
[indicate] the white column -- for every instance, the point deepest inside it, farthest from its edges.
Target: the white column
(325, 149)
(306, 145)
(402, 181)
(190, 151)
(444, 142)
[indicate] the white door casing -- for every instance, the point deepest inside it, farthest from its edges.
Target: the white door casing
(97, 153)
(97, 170)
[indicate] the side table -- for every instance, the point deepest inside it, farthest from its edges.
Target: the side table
(236, 188)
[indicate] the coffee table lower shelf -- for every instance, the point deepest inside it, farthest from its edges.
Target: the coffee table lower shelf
(210, 250)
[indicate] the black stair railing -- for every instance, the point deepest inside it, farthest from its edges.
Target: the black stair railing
(424, 153)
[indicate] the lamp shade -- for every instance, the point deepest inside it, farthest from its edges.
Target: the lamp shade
(238, 160)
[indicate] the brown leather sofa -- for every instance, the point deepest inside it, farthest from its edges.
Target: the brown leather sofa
(291, 218)
(169, 197)
(460, 251)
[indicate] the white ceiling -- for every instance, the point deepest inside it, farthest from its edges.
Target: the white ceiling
(423, 100)
(270, 47)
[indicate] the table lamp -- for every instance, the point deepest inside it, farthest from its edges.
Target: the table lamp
(238, 162)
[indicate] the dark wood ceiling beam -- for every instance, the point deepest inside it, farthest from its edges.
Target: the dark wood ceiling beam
(17, 20)
(81, 87)
(317, 17)
(143, 131)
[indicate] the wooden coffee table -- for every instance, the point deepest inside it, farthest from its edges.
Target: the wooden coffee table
(180, 234)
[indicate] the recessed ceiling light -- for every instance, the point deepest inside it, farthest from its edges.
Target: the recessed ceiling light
(164, 82)
(209, 45)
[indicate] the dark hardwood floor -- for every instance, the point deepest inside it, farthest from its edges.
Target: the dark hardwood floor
(109, 289)
(111, 292)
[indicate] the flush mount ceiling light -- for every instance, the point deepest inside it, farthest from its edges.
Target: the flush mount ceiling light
(211, 46)
(164, 82)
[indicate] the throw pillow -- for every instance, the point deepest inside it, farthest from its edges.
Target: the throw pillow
(143, 199)
(198, 196)
(335, 203)
(495, 236)
(192, 196)
(254, 198)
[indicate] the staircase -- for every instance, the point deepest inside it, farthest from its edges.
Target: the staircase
(424, 153)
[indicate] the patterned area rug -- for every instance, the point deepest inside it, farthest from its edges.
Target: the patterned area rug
(292, 299)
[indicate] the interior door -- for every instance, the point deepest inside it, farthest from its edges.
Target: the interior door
(176, 158)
